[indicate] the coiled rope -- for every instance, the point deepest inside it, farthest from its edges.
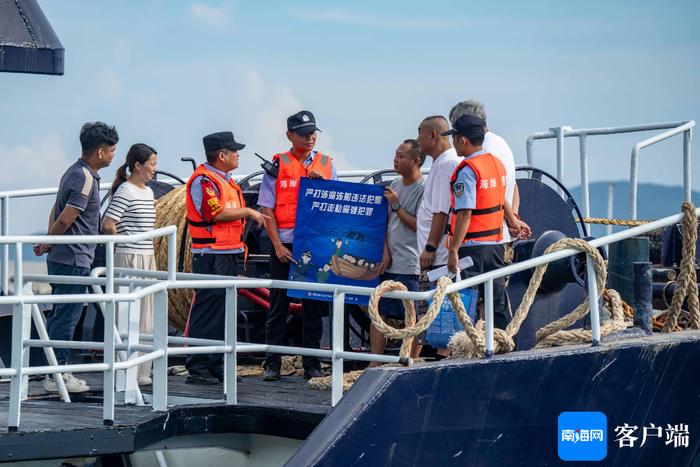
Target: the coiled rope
(606, 221)
(687, 282)
(171, 210)
(471, 342)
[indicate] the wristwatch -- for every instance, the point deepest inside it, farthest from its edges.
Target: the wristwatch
(395, 206)
(430, 248)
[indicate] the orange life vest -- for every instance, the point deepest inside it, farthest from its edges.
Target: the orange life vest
(486, 223)
(287, 185)
(216, 235)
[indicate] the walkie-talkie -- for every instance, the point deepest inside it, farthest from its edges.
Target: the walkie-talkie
(271, 169)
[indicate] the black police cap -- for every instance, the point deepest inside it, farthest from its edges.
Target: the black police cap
(221, 140)
(302, 123)
(467, 125)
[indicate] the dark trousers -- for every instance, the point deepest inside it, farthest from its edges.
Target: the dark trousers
(64, 317)
(208, 311)
(487, 258)
(276, 324)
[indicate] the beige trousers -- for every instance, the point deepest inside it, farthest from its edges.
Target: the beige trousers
(140, 261)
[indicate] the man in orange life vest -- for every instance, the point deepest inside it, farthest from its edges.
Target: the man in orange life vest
(216, 216)
(278, 198)
(479, 205)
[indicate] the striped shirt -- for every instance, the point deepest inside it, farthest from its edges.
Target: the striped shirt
(133, 209)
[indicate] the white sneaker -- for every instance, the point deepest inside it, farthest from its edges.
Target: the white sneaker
(73, 384)
(145, 381)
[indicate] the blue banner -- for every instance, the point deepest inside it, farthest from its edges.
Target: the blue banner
(338, 237)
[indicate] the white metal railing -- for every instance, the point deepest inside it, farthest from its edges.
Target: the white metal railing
(7, 196)
(159, 346)
(561, 132)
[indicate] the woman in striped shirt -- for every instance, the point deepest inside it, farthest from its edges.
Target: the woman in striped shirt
(131, 211)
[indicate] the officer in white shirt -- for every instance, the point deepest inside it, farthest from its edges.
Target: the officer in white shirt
(497, 146)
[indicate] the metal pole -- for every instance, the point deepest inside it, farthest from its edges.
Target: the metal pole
(611, 194)
(560, 153)
(230, 386)
(687, 180)
(4, 230)
(528, 149)
(338, 346)
(26, 311)
(18, 336)
(488, 301)
(172, 265)
(633, 181)
(160, 342)
(21, 327)
(108, 356)
(593, 301)
(584, 175)
(49, 353)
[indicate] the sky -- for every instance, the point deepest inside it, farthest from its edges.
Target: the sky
(168, 72)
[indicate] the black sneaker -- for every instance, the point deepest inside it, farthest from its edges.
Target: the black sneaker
(201, 379)
(220, 377)
(313, 373)
(271, 374)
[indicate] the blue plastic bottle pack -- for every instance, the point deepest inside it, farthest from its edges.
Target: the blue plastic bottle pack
(446, 322)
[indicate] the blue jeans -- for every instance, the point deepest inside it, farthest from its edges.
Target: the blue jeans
(62, 320)
(393, 307)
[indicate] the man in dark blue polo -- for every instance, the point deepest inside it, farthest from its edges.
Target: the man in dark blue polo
(76, 212)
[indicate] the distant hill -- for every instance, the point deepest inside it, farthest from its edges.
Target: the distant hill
(653, 201)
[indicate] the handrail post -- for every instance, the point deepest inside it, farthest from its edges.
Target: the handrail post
(109, 324)
(4, 230)
(21, 328)
(488, 310)
(584, 174)
(687, 180)
(559, 131)
(172, 264)
(230, 338)
(528, 149)
(593, 300)
(338, 346)
(633, 181)
(19, 334)
(160, 342)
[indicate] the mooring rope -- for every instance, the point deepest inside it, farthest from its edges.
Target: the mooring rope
(471, 341)
(171, 210)
(687, 282)
(607, 221)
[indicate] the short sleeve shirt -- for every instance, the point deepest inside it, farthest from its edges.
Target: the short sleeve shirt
(267, 196)
(79, 188)
(498, 147)
(401, 240)
(436, 199)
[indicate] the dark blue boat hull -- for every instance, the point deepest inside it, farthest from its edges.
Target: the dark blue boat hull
(504, 411)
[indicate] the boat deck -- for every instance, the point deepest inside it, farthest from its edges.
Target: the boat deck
(51, 428)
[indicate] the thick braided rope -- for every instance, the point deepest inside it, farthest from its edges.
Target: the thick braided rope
(170, 210)
(581, 310)
(606, 221)
(618, 322)
(412, 328)
(687, 279)
(503, 340)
